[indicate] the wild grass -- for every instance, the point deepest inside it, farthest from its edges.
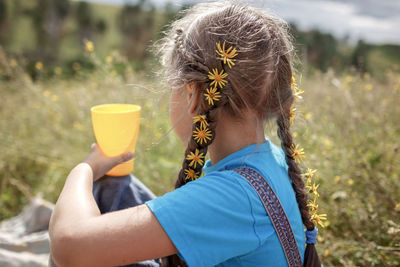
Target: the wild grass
(348, 126)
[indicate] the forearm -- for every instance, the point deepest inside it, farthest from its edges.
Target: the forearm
(76, 201)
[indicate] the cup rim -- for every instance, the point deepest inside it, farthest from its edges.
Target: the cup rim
(97, 108)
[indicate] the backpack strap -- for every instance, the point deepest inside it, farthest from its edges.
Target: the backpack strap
(276, 213)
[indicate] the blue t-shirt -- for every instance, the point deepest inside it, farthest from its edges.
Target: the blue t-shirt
(220, 220)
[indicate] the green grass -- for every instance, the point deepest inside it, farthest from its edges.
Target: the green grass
(348, 126)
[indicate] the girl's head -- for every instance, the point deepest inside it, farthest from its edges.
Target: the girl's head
(259, 80)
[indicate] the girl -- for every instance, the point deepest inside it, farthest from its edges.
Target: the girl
(230, 70)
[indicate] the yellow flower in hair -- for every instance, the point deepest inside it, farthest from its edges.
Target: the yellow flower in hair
(195, 158)
(202, 119)
(212, 95)
(218, 78)
(297, 153)
(202, 135)
(292, 113)
(309, 173)
(313, 189)
(226, 54)
(313, 206)
(191, 174)
(318, 218)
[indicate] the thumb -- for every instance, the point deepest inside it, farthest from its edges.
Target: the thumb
(125, 156)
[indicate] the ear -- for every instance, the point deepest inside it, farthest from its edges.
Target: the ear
(193, 98)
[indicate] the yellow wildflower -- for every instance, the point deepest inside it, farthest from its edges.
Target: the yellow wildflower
(195, 158)
(292, 114)
(310, 173)
(318, 218)
(202, 119)
(39, 65)
(218, 78)
(57, 70)
(13, 63)
(327, 252)
(89, 46)
(227, 55)
(202, 135)
(54, 98)
(191, 174)
(313, 189)
(297, 153)
(212, 95)
(313, 206)
(109, 59)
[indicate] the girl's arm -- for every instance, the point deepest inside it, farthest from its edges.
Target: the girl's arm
(81, 236)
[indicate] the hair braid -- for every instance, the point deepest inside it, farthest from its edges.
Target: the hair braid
(209, 112)
(195, 60)
(294, 170)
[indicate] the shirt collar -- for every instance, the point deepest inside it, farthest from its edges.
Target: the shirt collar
(236, 156)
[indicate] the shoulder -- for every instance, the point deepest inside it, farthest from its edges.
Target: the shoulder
(216, 188)
(202, 216)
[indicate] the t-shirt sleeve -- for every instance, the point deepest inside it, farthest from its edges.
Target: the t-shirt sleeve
(209, 220)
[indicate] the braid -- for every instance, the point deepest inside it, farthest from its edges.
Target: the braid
(204, 124)
(294, 170)
(210, 114)
(195, 60)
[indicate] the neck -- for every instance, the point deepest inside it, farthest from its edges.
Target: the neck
(233, 135)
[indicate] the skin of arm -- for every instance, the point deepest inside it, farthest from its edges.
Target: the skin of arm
(81, 236)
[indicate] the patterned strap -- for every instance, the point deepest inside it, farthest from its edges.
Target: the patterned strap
(276, 213)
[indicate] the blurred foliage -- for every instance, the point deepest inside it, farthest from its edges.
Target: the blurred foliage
(54, 32)
(347, 123)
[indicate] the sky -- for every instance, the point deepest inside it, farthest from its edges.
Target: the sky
(375, 21)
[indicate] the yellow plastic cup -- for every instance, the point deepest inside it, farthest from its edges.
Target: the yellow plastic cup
(116, 128)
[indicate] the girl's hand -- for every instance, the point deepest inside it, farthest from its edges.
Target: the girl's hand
(101, 164)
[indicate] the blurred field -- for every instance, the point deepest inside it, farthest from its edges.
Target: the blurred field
(347, 124)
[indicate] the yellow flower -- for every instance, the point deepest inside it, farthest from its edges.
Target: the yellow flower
(54, 98)
(202, 135)
(297, 154)
(39, 65)
(109, 59)
(292, 80)
(313, 189)
(318, 218)
(212, 95)
(227, 55)
(296, 92)
(327, 252)
(313, 206)
(191, 174)
(202, 119)
(57, 70)
(218, 78)
(195, 158)
(13, 63)
(308, 115)
(89, 46)
(292, 113)
(309, 173)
